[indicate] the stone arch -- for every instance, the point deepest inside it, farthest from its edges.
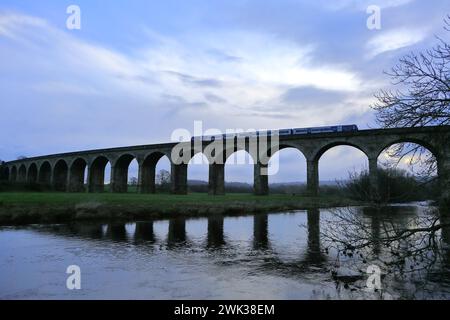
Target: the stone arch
(422, 143)
(285, 145)
(204, 150)
(228, 154)
(313, 164)
(97, 174)
(426, 144)
(77, 175)
(147, 170)
(13, 174)
(22, 173)
(119, 182)
(195, 152)
(246, 158)
(32, 173)
(223, 155)
(198, 161)
(319, 152)
(60, 174)
(45, 174)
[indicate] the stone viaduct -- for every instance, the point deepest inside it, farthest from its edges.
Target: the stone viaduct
(65, 171)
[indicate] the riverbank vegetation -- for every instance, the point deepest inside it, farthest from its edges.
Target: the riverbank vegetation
(394, 186)
(59, 207)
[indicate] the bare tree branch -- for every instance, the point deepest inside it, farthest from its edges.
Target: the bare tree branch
(422, 97)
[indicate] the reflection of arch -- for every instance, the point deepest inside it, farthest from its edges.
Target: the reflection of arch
(215, 237)
(13, 174)
(144, 231)
(60, 174)
(116, 232)
(45, 173)
(94, 231)
(87, 230)
(76, 176)
(177, 231)
(373, 215)
(97, 174)
(444, 219)
(119, 182)
(147, 172)
(260, 231)
(22, 173)
(32, 173)
(314, 253)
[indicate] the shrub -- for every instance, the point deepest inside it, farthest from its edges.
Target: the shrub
(394, 185)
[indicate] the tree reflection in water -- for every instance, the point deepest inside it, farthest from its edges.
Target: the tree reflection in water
(404, 243)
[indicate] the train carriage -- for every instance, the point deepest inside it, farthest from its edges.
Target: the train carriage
(282, 132)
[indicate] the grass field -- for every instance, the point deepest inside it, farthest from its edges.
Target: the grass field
(38, 207)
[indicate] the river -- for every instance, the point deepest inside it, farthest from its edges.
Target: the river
(263, 256)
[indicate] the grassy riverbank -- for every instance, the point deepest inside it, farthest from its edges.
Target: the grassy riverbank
(53, 207)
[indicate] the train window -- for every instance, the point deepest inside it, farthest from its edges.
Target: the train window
(284, 132)
(300, 131)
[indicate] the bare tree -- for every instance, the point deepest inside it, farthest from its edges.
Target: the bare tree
(421, 98)
(163, 177)
(133, 181)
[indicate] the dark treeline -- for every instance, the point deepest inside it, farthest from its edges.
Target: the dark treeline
(394, 185)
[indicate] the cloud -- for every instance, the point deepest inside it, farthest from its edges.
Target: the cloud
(64, 88)
(310, 96)
(214, 98)
(196, 81)
(394, 39)
(223, 56)
(362, 4)
(67, 91)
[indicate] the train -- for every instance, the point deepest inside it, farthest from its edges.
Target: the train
(280, 132)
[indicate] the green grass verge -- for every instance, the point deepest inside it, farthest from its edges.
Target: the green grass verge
(42, 207)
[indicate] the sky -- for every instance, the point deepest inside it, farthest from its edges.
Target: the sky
(137, 70)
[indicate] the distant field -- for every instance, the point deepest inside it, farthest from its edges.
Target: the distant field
(43, 207)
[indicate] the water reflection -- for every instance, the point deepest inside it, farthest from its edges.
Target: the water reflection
(144, 232)
(116, 232)
(215, 237)
(314, 254)
(273, 249)
(89, 231)
(261, 232)
(177, 232)
(374, 220)
(444, 261)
